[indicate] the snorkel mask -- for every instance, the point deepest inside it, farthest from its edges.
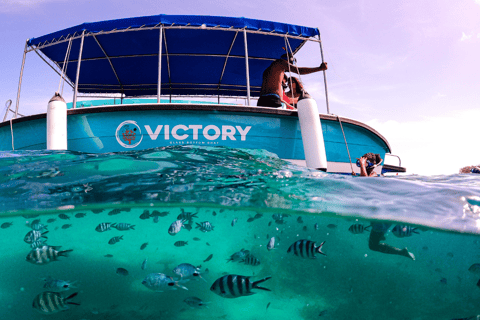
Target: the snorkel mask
(369, 164)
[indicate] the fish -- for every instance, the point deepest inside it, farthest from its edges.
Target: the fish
(195, 302)
(80, 215)
(208, 258)
(144, 264)
(6, 225)
(57, 284)
(114, 212)
(214, 213)
(234, 221)
(34, 235)
(196, 239)
(37, 226)
(159, 282)
(180, 243)
(66, 226)
(358, 228)
(258, 216)
(250, 219)
(175, 227)
(187, 270)
(316, 226)
(268, 305)
(188, 216)
(331, 226)
(156, 213)
(104, 226)
(144, 245)
(115, 240)
(122, 272)
(156, 219)
(271, 244)
(402, 231)
(63, 216)
(234, 286)
(49, 302)
(51, 220)
(46, 254)
(122, 226)
(270, 223)
(37, 243)
(208, 244)
(240, 255)
(299, 220)
(250, 260)
(205, 226)
(108, 256)
(305, 249)
(475, 268)
(97, 211)
(145, 215)
(188, 226)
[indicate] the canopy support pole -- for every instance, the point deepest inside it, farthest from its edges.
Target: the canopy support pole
(159, 85)
(246, 65)
(20, 79)
(75, 92)
(324, 74)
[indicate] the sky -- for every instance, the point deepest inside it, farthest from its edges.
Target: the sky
(410, 69)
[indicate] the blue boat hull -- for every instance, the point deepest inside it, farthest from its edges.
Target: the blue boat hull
(128, 127)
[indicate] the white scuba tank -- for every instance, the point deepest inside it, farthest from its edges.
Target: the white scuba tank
(57, 123)
(312, 135)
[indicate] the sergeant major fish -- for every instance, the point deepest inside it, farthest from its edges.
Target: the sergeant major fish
(358, 228)
(251, 260)
(205, 226)
(34, 235)
(52, 302)
(175, 227)
(234, 286)
(402, 231)
(159, 282)
(115, 240)
(105, 226)
(237, 256)
(305, 249)
(122, 226)
(46, 254)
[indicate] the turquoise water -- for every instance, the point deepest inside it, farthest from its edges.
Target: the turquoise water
(219, 185)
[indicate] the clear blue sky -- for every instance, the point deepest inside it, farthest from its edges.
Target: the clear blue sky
(408, 68)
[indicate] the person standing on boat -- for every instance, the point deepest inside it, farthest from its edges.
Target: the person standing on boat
(296, 90)
(273, 77)
(368, 162)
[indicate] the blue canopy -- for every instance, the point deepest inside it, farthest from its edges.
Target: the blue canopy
(201, 55)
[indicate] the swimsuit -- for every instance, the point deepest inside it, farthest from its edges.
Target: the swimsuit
(271, 100)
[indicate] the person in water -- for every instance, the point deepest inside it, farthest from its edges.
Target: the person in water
(368, 162)
(273, 77)
(470, 169)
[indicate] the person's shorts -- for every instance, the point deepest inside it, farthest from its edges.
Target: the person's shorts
(271, 100)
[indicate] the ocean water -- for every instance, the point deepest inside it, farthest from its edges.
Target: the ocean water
(72, 193)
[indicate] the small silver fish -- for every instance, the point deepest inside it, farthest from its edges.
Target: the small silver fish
(187, 270)
(57, 284)
(175, 227)
(240, 255)
(271, 244)
(316, 226)
(234, 221)
(159, 282)
(195, 302)
(144, 264)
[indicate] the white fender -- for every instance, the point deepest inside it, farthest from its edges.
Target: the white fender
(312, 134)
(57, 123)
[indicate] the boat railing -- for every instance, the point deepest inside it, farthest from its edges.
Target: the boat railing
(392, 155)
(8, 104)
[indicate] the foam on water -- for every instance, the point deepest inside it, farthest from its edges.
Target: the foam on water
(220, 184)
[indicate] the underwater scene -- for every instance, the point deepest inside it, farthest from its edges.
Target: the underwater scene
(190, 232)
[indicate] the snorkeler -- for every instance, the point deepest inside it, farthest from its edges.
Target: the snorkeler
(368, 162)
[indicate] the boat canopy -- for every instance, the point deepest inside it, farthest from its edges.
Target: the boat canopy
(200, 55)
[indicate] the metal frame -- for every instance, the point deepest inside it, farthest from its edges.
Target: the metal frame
(159, 85)
(246, 64)
(225, 64)
(324, 73)
(109, 61)
(75, 92)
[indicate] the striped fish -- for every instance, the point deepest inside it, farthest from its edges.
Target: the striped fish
(37, 243)
(402, 231)
(34, 235)
(105, 226)
(37, 226)
(305, 249)
(52, 302)
(240, 255)
(46, 254)
(175, 227)
(115, 240)
(122, 226)
(251, 260)
(234, 286)
(205, 226)
(358, 228)
(187, 215)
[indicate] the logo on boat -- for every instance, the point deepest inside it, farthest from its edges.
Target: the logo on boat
(129, 134)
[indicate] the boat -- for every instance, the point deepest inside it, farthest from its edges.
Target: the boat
(142, 67)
